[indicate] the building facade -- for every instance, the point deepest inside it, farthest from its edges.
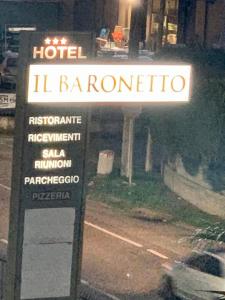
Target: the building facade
(155, 13)
(208, 25)
(190, 22)
(200, 22)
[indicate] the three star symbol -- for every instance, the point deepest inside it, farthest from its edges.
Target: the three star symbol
(55, 41)
(63, 41)
(47, 41)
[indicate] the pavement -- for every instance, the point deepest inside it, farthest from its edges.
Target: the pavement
(123, 257)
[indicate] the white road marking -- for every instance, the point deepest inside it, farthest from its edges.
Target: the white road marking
(4, 241)
(5, 187)
(99, 291)
(114, 235)
(157, 254)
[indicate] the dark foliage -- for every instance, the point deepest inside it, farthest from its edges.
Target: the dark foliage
(196, 131)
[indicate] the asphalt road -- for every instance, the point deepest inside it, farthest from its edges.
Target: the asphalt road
(122, 256)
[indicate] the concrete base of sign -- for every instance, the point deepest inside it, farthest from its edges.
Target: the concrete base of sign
(105, 162)
(7, 124)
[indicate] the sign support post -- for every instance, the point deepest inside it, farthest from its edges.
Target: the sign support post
(58, 83)
(130, 114)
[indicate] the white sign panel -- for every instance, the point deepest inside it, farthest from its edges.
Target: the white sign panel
(47, 252)
(109, 83)
(7, 100)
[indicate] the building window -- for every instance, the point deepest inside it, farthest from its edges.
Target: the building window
(170, 22)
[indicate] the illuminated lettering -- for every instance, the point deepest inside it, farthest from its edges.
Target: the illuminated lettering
(76, 84)
(72, 52)
(109, 82)
(52, 164)
(38, 52)
(36, 83)
(80, 53)
(58, 51)
(174, 82)
(50, 52)
(125, 83)
(26, 180)
(38, 180)
(91, 83)
(31, 120)
(51, 180)
(139, 83)
(151, 86)
(164, 77)
(53, 153)
(63, 83)
(55, 120)
(53, 137)
(45, 84)
(62, 51)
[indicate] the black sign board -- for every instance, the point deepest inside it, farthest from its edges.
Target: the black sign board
(48, 183)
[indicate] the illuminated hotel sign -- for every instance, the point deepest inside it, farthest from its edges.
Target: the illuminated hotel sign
(108, 83)
(57, 82)
(58, 48)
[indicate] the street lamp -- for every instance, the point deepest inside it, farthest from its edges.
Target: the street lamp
(134, 2)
